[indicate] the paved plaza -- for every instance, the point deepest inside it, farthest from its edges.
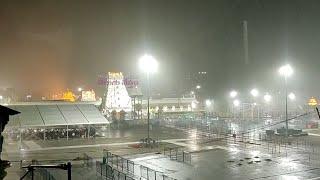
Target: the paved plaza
(227, 158)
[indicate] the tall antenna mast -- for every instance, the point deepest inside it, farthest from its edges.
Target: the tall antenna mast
(245, 42)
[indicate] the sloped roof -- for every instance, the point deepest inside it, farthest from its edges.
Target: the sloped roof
(56, 115)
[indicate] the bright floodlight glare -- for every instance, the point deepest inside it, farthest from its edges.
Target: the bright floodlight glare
(292, 96)
(148, 63)
(208, 102)
(236, 102)
(1, 97)
(254, 92)
(267, 97)
(233, 94)
(79, 89)
(198, 86)
(286, 70)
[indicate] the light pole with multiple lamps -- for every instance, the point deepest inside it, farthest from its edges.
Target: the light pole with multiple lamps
(286, 71)
(233, 94)
(255, 93)
(148, 64)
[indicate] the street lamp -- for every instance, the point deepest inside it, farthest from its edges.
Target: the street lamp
(292, 96)
(209, 107)
(254, 92)
(193, 105)
(236, 103)
(79, 89)
(208, 103)
(192, 92)
(198, 86)
(267, 98)
(148, 64)
(286, 71)
(233, 94)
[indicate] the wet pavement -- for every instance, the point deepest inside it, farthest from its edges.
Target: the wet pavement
(227, 158)
(232, 162)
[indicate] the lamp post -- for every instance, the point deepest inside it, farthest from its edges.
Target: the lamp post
(148, 64)
(235, 103)
(254, 92)
(286, 71)
(209, 108)
(233, 94)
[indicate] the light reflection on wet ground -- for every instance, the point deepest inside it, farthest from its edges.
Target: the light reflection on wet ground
(231, 164)
(208, 162)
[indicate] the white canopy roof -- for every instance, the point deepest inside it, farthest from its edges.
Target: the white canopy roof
(56, 115)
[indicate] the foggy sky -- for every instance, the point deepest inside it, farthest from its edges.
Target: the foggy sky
(53, 45)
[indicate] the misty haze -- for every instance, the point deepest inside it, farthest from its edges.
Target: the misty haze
(159, 90)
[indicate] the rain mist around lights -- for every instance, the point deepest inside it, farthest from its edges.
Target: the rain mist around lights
(208, 102)
(292, 96)
(267, 97)
(148, 63)
(233, 94)
(286, 70)
(236, 102)
(254, 92)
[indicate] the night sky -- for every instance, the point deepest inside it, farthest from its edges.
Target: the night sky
(53, 45)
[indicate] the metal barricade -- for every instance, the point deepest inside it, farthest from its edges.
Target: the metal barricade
(144, 172)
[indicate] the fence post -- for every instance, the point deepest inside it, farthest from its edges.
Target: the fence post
(182, 156)
(147, 173)
(117, 161)
(69, 170)
(106, 171)
(177, 153)
(100, 169)
(128, 165)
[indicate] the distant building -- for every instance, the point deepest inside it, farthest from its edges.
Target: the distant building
(8, 96)
(88, 95)
(64, 96)
(195, 84)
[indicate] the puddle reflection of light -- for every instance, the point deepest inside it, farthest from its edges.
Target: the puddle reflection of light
(255, 153)
(234, 127)
(194, 147)
(287, 177)
(193, 134)
(233, 149)
(287, 162)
